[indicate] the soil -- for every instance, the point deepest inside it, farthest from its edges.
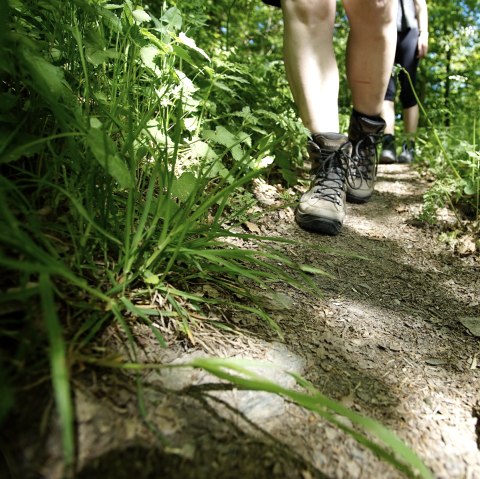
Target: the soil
(391, 334)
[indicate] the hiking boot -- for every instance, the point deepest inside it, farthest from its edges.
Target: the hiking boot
(322, 208)
(408, 153)
(364, 134)
(388, 155)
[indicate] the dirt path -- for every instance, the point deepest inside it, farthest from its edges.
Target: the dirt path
(385, 338)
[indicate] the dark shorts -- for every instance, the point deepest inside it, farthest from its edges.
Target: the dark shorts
(405, 56)
(275, 3)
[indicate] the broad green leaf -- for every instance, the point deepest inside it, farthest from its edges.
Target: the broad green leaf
(99, 57)
(190, 42)
(184, 186)
(157, 134)
(48, 78)
(200, 149)
(471, 187)
(105, 152)
(218, 169)
(173, 18)
(112, 6)
(111, 20)
(237, 153)
(95, 122)
(221, 136)
(168, 207)
(186, 84)
(223, 86)
(141, 16)
(148, 55)
(151, 278)
(184, 55)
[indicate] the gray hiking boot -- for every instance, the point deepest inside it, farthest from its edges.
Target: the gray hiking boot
(408, 153)
(322, 208)
(388, 155)
(364, 134)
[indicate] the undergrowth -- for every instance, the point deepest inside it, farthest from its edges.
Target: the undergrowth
(126, 150)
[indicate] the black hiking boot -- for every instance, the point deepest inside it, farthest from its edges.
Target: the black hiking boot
(388, 155)
(364, 134)
(322, 208)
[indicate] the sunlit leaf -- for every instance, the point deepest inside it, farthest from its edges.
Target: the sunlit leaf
(221, 136)
(141, 16)
(173, 18)
(151, 278)
(200, 149)
(148, 55)
(190, 42)
(184, 186)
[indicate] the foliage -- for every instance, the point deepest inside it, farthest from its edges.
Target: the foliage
(117, 175)
(128, 138)
(448, 89)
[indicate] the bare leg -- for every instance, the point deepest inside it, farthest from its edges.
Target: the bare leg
(370, 51)
(310, 62)
(388, 114)
(410, 119)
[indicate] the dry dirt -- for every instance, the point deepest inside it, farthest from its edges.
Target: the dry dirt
(386, 335)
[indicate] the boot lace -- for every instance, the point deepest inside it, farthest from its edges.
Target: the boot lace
(364, 162)
(329, 174)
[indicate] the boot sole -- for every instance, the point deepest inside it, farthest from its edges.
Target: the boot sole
(318, 225)
(386, 161)
(358, 199)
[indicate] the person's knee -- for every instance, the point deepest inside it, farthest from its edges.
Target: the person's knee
(310, 12)
(377, 15)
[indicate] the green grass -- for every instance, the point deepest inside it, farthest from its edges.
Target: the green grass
(121, 176)
(453, 157)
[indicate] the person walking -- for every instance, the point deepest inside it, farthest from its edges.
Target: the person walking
(343, 167)
(412, 45)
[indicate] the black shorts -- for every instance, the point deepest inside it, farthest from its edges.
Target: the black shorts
(405, 56)
(275, 3)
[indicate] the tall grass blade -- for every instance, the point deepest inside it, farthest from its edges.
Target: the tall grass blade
(391, 449)
(59, 368)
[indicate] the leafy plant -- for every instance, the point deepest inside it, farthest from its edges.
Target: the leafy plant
(113, 182)
(122, 144)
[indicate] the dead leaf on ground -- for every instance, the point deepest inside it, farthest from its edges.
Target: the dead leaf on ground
(466, 246)
(277, 301)
(252, 227)
(472, 324)
(435, 361)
